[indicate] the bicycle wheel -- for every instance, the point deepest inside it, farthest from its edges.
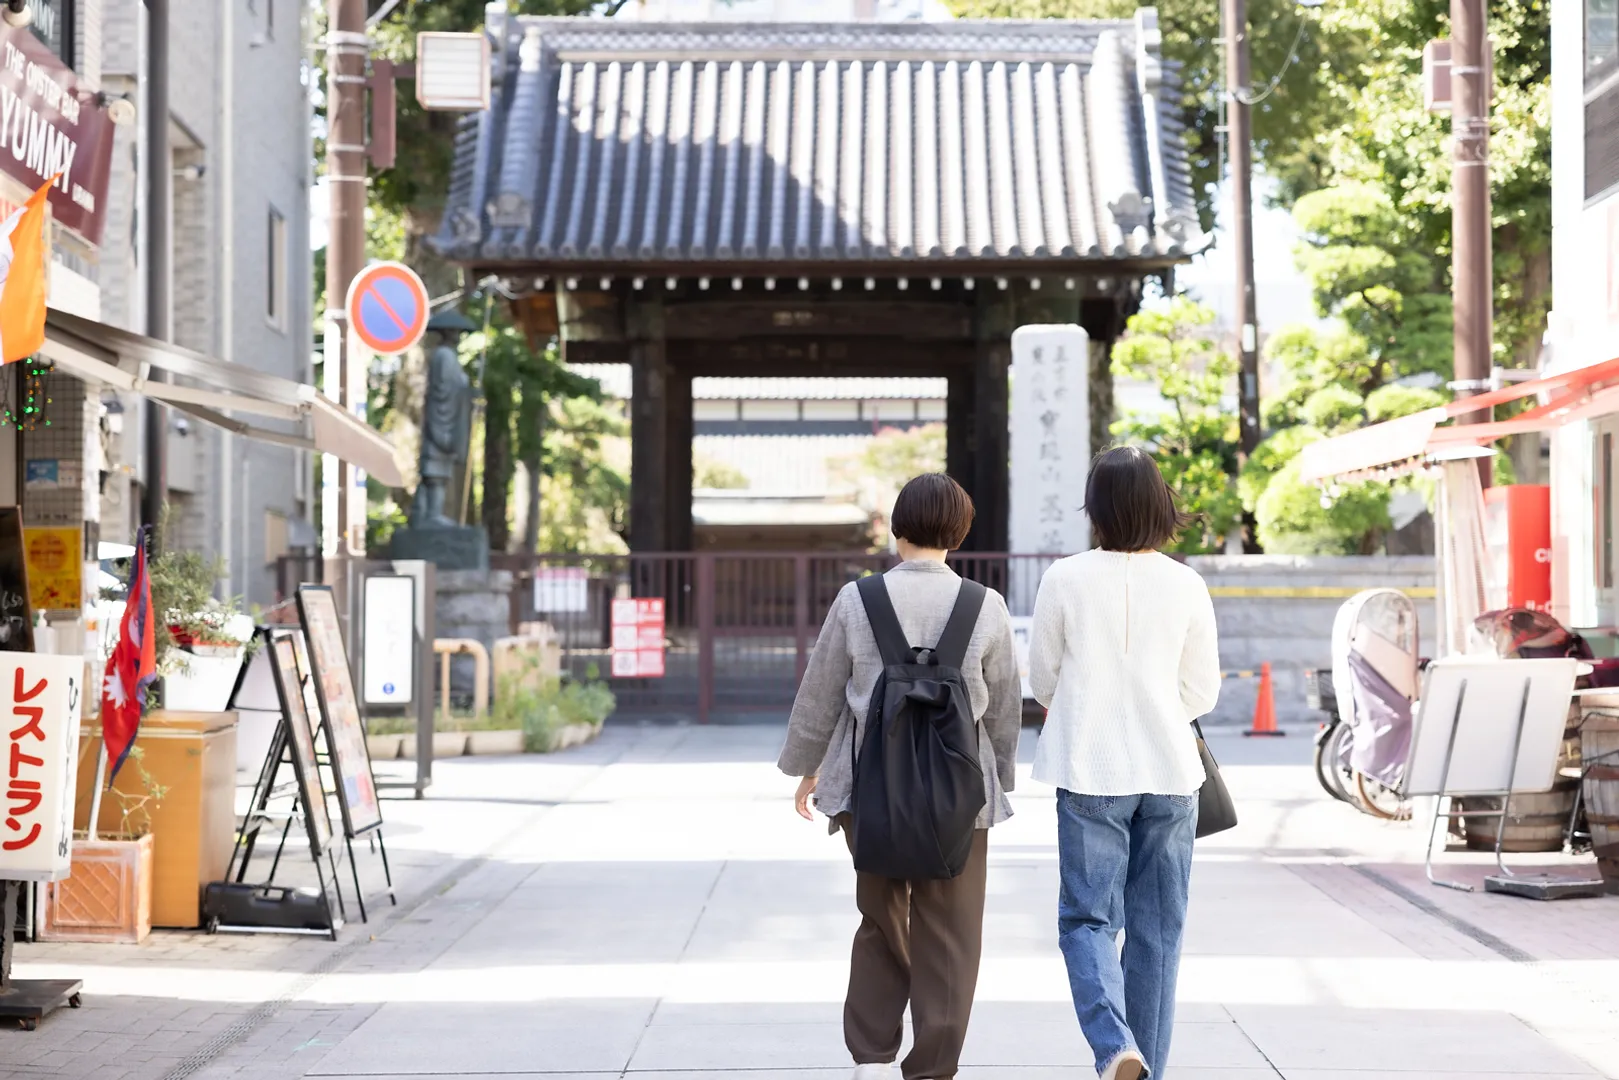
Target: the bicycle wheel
(1331, 757)
(1379, 801)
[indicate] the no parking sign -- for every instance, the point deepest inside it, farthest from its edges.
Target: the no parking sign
(387, 307)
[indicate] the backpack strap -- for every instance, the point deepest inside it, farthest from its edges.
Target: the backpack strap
(891, 639)
(958, 632)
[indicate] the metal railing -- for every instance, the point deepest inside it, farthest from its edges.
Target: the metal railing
(738, 626)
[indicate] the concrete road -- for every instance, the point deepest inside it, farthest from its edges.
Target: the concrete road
(649, 907)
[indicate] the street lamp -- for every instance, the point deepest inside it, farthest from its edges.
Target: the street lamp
(17, 13)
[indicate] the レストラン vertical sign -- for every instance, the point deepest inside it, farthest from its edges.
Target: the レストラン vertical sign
(40, 703)
(51, 124)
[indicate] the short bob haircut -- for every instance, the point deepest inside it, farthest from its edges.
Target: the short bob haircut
(932, 512)
(1130, 506)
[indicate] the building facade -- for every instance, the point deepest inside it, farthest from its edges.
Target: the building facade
(1583, 329)
(240, 138)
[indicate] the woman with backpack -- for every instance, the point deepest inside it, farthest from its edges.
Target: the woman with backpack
(927, 659)
(1123, 655)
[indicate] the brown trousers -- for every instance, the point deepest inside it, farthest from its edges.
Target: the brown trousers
(919, 941)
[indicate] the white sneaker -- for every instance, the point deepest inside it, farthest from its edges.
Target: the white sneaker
(879, 1070)
(1126, 1065)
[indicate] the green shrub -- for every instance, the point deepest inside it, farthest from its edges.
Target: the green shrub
(541, 705)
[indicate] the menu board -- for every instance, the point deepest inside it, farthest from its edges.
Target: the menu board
(300, 729)
(339, 709)
(16, 616)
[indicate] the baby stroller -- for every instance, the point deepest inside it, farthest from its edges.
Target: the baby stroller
(1375, 677)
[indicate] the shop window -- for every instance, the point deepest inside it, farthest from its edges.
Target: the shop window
(53, 24)
(275, 270)
(1601, 40)
(1601, 96)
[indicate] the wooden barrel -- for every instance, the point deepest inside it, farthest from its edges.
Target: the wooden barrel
(1599, 752)
(1535, 822)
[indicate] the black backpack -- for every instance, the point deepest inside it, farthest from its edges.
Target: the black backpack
(918, 782)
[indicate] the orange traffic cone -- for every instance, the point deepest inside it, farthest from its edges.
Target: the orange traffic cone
(1265, 707)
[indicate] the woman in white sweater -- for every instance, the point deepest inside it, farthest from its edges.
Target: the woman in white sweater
(1124, 657)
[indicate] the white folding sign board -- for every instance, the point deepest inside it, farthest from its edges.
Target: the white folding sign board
(1491, 694)
(390, 640)
(41, 698)
(1051, 439)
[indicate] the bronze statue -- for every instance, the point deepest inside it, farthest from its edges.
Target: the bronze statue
(446, 422)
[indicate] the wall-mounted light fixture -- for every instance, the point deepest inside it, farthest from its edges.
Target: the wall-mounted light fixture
(120, 109)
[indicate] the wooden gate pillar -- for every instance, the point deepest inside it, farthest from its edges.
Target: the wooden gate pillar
(988, 412)
(649, 429)
(1103, 320)
(677, 457)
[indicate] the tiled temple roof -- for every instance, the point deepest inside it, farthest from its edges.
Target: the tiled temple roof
(689, 147)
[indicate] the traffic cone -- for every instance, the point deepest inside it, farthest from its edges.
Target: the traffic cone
(1265, 707)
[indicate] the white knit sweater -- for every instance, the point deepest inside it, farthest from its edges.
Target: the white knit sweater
(1124, 656)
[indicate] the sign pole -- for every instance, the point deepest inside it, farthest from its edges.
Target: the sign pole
(98, 787)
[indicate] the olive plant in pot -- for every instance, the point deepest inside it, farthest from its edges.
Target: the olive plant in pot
(200, 638)
(108, 898)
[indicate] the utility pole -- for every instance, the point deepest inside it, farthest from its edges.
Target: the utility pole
(1239, 140)
(1472, 271)
(159, 249)
(347, 47)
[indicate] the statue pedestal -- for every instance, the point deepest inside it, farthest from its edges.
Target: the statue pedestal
(472, 604)
(451, 547)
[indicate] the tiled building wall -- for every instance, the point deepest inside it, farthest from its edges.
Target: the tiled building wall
(71, 412)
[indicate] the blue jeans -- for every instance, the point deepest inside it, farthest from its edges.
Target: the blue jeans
(1126, 864)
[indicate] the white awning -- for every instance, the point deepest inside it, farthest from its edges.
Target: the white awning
(211, 389)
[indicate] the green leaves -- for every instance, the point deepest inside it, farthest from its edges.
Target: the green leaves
(1194, 441)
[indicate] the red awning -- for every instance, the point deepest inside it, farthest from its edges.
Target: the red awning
(1573, 395)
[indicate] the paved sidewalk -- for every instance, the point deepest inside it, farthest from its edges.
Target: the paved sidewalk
(649, 907)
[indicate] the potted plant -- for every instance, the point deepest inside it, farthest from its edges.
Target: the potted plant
(554, 712)
(108, 898)
(200, 638)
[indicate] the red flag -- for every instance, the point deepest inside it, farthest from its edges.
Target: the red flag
(131, 667)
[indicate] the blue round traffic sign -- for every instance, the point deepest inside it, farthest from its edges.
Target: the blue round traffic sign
(387, 307)
(388, 688)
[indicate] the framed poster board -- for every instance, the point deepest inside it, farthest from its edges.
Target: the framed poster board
(300, 730)
(339, 709)
(388, 668)
(16, 613)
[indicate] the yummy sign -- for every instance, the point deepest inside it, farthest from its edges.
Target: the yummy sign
(39, 719)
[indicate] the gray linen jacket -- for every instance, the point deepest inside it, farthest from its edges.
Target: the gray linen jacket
(829, 714)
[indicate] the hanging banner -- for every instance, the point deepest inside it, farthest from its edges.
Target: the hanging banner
(50, 124)
(40, 703)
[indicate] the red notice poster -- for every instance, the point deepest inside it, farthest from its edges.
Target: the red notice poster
(638, 628)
